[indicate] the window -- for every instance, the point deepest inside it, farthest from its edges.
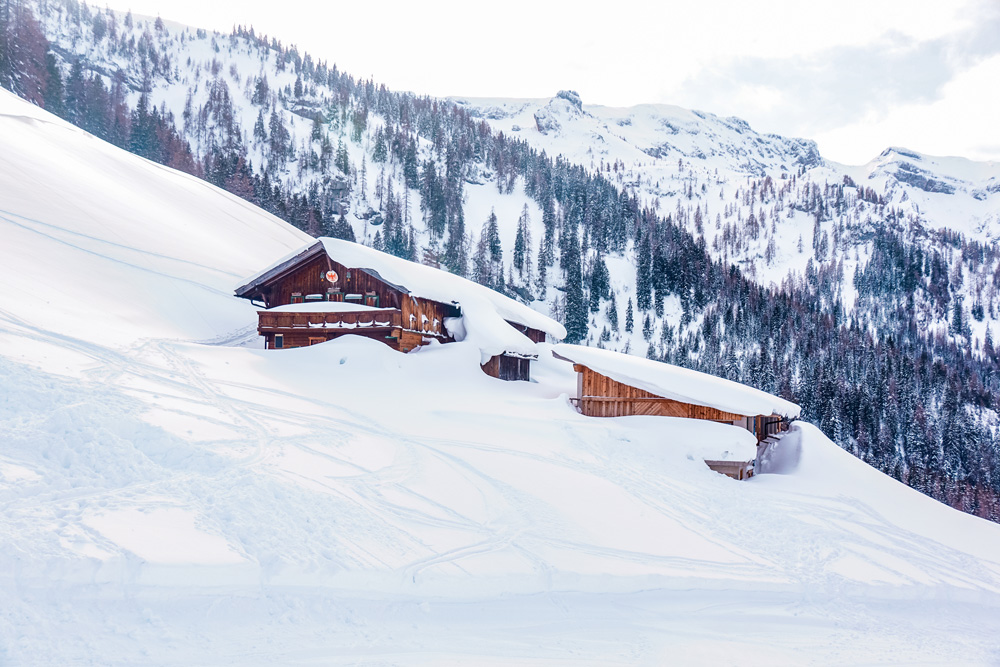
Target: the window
(371, 299)
(279, 341)
(316, 341)
(297, 297)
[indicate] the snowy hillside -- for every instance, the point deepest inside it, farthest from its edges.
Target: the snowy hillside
(867, 295)
(251, 108)
(174, 495)
(725, 182)
(152, 260)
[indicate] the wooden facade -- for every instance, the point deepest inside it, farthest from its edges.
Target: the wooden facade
(600, 396)
(403, 321)
(508, 367)
(285, 330)
(734, 469)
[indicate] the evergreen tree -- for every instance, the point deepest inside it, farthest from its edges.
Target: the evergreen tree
(410, 174)
(379, 152)
(643, 278)
(343, 160)
(75, 93)
(53, 100)
(957, 325)
(488, 259)
(455, 257)
(522, 245)
(519, 250)
(341, 229)
(600, 285)
(576, 308)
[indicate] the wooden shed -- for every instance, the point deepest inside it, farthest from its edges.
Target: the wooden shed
(600, 396)
(610, 384)
(333, 288)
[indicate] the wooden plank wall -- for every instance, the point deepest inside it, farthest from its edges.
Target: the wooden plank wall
(303, 280)
(734, 469)
(415, 309)
(603, 397)
(508, 368)
(534, 335)
(310, 278)
(267, 320)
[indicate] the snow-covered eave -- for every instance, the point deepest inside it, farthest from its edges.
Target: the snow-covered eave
(276, 269)
(679, 384)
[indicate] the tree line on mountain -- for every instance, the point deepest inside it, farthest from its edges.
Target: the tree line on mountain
(910, 402)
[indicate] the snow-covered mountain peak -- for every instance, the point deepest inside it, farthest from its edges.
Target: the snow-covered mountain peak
(941, 175)
(652, 134)
(564, 107)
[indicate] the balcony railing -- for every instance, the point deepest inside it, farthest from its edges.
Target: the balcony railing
(358, 319)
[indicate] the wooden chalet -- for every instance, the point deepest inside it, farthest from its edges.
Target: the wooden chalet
(333, 288)
(610, 384)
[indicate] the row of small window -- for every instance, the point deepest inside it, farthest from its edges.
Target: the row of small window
(369, 299)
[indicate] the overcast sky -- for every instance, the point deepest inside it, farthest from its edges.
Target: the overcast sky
(854, 75)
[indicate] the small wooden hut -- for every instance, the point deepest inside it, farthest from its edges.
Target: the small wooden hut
(610, 384)
(332, 288)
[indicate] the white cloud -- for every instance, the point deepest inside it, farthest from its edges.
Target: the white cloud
(962, 122)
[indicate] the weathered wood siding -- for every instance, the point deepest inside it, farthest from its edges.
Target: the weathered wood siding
(534, 335)
(301, 329)
(600, 396)
(509, 368)
(734, 469)
(350, 321)
(310, 278)
(425, 316)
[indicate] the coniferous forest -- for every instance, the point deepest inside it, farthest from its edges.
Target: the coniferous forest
(912, 400)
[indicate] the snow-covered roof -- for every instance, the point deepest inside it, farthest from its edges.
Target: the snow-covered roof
(679, 384)
(484, 311)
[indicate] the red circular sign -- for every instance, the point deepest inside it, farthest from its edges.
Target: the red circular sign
(332, 276)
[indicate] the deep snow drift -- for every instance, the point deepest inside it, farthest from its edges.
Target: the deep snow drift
(170, 501)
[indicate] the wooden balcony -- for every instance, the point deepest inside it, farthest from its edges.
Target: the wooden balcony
(278, 322)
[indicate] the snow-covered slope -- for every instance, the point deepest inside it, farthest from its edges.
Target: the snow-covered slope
(110, 248)
(174, 502)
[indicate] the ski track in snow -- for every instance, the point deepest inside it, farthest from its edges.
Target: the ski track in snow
(168, 501)
(789, 559)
